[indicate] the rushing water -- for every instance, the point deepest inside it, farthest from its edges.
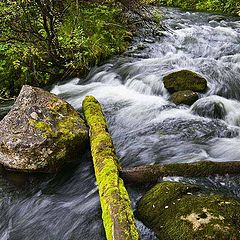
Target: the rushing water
(146, 127)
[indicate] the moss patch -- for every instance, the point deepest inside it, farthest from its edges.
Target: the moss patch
(182, 211)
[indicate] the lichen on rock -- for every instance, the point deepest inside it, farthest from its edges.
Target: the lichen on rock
(40, 132)
(185, 211)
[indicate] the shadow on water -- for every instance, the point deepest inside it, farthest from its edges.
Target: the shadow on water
(5, 108)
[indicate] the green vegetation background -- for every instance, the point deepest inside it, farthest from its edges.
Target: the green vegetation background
(217, 6)
(43, 41)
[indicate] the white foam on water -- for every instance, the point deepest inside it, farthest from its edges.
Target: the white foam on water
(225, 149)
(232, 108)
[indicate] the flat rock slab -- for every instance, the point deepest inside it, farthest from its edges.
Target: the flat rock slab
(40, 132)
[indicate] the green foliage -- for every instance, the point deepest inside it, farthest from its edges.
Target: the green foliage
(42, 41)
(219, 6)
(91, 35)
(230, 6)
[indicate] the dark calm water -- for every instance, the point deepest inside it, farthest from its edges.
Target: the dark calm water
(146, 127)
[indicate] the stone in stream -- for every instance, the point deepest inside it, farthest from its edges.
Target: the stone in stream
(40, 132)
(217, 18)
(210, 107)
(182, 211)
(184, 80)
(187, 97)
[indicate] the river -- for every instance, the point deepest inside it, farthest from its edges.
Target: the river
(146, 128)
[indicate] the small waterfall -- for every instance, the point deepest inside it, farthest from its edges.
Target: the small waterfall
(218, 107)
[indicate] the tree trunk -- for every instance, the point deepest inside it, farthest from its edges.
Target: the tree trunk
(151, 173)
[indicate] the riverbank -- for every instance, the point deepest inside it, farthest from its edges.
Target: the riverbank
(40, 44)
(43, 44)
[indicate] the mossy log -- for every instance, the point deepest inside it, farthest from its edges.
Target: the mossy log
(117, 214)
(151, 173)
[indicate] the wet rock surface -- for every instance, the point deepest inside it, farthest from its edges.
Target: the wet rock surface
(209, 108)
(40, 132)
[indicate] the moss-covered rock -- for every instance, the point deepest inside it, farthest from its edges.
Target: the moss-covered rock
(40, 132)
(117, 214)
(187, 97)
(184, 80)
(180, 211)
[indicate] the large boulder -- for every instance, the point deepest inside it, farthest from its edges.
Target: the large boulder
(187, 97)
(182, 211)
(40, 132)
(184, 80)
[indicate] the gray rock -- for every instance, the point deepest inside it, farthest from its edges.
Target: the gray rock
(40, 132)
(149, 40)
(141, 46)
(217, 18)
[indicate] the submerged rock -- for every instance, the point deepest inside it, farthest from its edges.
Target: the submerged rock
(210, 107)
(184, 80)
(217, 18)
(179, 211)
(187, 97)
(40, 132)
(141, 46)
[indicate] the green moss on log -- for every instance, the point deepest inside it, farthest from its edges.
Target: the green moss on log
(118, 219)
(184, 211)
(151, 173)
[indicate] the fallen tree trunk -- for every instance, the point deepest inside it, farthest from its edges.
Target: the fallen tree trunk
(117, 214)
(151, 173)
